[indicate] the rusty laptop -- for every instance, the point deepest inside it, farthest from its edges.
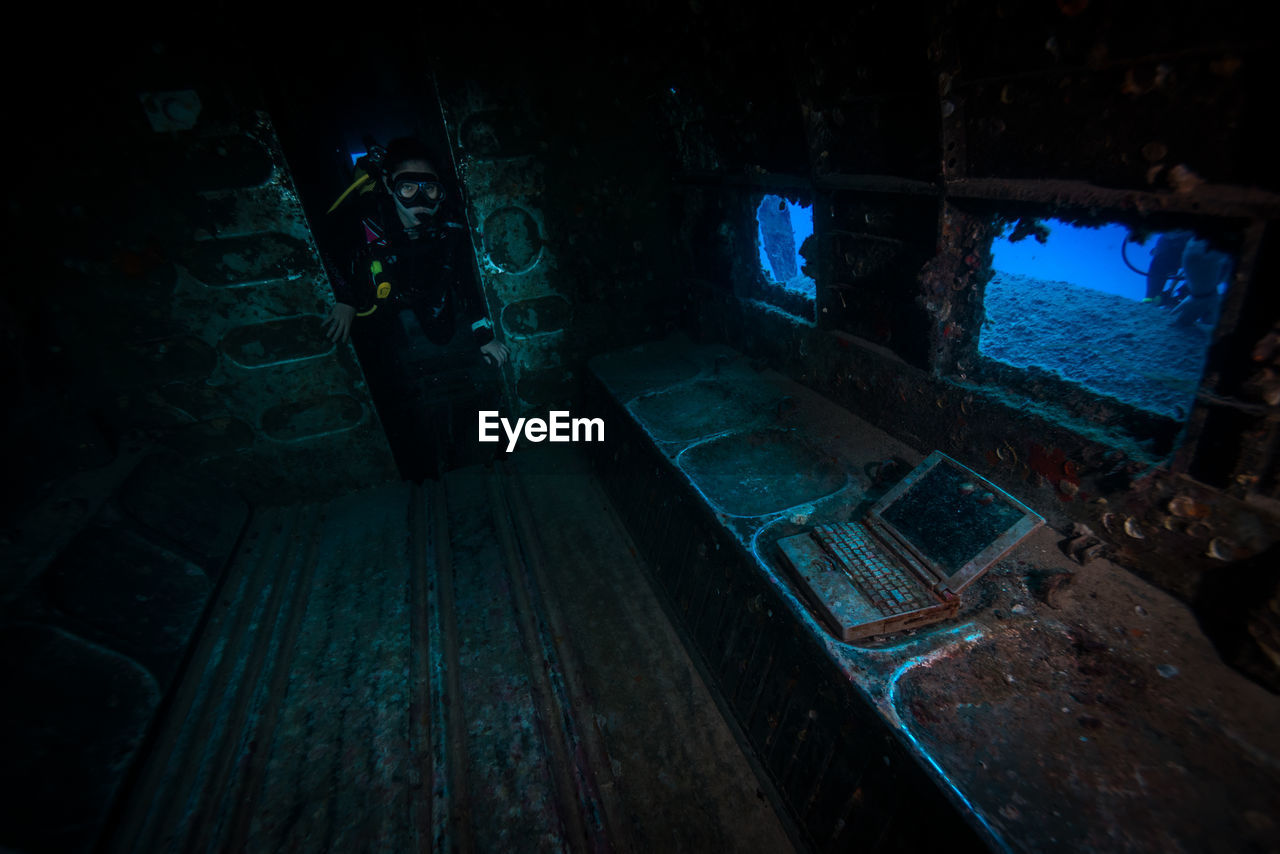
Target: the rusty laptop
(906, 563)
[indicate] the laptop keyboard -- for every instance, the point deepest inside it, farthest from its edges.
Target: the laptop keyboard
(889, 587)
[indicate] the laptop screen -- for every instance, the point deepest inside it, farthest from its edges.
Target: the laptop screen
(954, 517)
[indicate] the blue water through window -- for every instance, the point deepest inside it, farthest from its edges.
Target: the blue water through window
(1081, 305)
(783, 227)
(1088, 257)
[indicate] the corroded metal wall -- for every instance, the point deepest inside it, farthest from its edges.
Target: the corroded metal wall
(917, 133)
(245, 381)
(496, 158)
(172, 372)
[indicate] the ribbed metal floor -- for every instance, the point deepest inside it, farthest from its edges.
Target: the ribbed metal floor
(472, 665)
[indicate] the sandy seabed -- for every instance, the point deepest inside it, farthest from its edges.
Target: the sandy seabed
(1113, 345)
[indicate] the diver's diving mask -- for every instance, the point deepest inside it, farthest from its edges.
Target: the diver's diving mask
(418, 190)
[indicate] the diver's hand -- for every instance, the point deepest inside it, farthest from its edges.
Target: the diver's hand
(338, 326)
(497, 351)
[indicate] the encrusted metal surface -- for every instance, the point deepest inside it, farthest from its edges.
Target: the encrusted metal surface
(1063, 709)
(411, 668)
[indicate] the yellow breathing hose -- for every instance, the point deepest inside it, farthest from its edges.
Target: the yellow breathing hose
(354, 185)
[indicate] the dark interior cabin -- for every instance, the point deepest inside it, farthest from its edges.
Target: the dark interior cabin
(995, 281)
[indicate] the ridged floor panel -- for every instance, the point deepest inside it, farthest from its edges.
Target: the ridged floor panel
(471, 665)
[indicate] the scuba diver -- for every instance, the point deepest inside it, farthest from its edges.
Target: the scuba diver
(404, 253)
(395, 246)
(1166, 259)
(1205, 269)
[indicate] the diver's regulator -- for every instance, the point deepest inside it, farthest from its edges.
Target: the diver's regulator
(381, 286)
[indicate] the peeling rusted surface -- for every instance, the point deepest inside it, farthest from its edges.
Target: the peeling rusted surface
(511, 239)
(997, 436)
(304, 419)
(1059, 684)
(276, 342)
(538, 316)
(250, 259)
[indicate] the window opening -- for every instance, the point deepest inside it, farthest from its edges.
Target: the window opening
(1123, 313)
(783, 227)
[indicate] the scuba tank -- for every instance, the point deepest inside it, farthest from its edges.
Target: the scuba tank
(368, 168)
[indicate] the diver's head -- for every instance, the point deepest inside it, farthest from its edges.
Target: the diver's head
(411, 177)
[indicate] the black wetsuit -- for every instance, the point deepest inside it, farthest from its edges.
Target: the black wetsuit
(424, 393)
(1166, 258)
(428, 269)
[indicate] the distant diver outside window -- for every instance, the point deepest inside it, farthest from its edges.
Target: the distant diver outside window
(1205, 270)
(1166, 259)
(1185, 274)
